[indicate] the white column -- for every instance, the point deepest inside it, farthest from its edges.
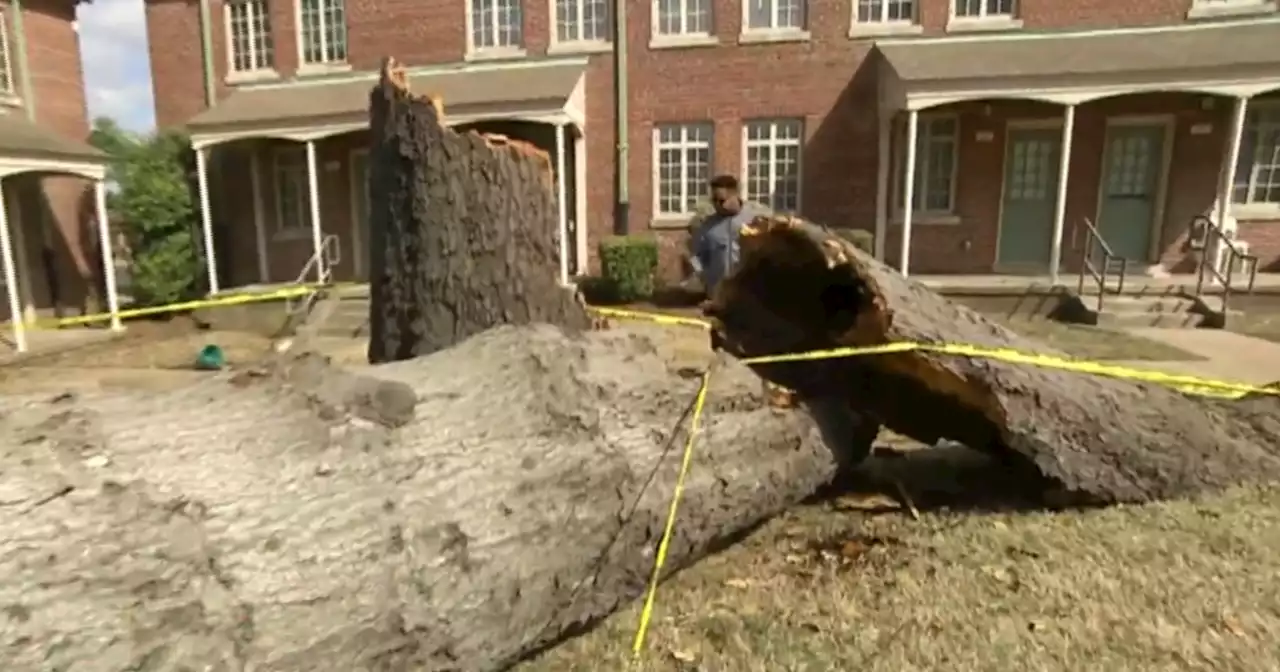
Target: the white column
(259, 214)
(206, 218)
(909, 189)
(313, 193)
(1060, 208)
(11, 281)
(883, 165)
(562, 203)
(580, 194)
(1226, 178)
(108, 254)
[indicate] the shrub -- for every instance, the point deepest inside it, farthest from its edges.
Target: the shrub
(628, 264)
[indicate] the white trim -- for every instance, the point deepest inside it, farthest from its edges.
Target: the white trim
(10, 165)
(683, 145)
(597, 45)
(325, 65)
(685, 38)
(580, 197)
(896, 175)
(1201, 10)
(773, 32)
(108, 253)
(562, 205)
(1079, 94)
(984, 21)
(264, 68)
(883, 26)
(1256, 207)
(206, 218)
(359, 225)
(774, 142)
(498, 52)
(10, 90)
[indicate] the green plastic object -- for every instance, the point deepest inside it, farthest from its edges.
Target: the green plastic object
(210, 359)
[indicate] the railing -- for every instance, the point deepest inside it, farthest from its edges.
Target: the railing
(1211, 233)
(321, 263)
(1099, 274)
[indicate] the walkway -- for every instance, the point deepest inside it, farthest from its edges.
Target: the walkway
(1227, 355)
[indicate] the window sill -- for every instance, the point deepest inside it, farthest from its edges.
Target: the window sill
(991, 25)
(322, 69)
(290, 235)
(861, 30)
(683, 41)
(1256, 212)
(252, 77)
(773, 36)
(10, 100)
(930, 219)
(496, 54)
(580, 47)
(671, 222)
(1213, 11)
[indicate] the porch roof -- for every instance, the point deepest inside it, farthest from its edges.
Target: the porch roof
(27, 147)
(1239, 58)
(303, 111)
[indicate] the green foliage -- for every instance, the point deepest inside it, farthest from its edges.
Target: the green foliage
(628, 264)
(860, 238)
(152, 200)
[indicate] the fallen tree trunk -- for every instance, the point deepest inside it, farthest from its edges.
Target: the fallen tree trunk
(453, 512)
(464, 231)
(1090, 439)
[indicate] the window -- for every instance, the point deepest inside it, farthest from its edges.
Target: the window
(6, 67)
(293, 201)
(772, 152)
(936, 162)
(496, 24)
(682, 161)
(1257, 179)
(682, 17)
(983, 9)
(885, 11)
(249, 35)
(324, 31)
(582, 20)
(774, 14)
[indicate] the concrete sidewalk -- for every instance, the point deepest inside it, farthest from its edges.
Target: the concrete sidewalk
(1227, 355)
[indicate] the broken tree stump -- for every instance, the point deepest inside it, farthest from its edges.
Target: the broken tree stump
(452, 512)
(1088, 439)
(464, 230)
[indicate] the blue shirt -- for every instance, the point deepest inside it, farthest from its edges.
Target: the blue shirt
(715, 246)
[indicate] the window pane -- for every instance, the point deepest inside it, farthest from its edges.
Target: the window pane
(683, 157)
(759, 13)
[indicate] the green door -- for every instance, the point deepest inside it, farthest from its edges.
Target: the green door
(1130, 186)
(1030, 194)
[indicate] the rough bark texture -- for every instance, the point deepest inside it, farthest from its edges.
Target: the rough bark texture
(1092, 439)
(310, 519)
(464, 230)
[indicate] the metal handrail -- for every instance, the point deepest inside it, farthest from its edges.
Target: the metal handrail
(1210, 229)
(321, 262)
(1099, 275)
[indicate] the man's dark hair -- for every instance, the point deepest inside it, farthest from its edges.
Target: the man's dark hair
(724, 182)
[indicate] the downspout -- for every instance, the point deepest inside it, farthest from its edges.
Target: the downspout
(622, 206)
(206, 42)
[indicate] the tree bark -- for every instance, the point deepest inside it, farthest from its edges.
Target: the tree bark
(464, 230)
(453, 512)
(1085, 439)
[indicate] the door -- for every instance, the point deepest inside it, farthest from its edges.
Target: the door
(360, 215)
(1131, 170)
(1030, 196)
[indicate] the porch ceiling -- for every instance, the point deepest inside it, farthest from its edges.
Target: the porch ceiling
(22, 141)
(1106, 62)
(263, 111)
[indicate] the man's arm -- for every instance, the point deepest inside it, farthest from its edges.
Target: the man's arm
(697, 247)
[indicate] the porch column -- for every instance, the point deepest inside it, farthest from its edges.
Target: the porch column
(1060, 208)
(313, 194)
(206, 217)
(1226, 178)
(580, 196)
(562, 195)
(11, 281)
(883, 165)
(108, 254)
(259, 215)
(909, 190)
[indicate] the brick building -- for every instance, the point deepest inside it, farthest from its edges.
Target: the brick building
(48, 215)
(1029, 117)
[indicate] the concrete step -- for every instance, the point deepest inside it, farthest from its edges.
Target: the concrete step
(349, 319)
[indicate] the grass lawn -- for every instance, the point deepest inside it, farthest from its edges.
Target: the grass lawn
(1097, 343)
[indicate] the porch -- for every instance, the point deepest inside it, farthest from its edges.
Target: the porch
(282, 168)
(1015, 142)
(44, 217)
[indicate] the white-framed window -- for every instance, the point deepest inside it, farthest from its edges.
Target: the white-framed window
(496, 24)
(1257, 177)
(682, 160)
(768, 15)
(293, 202)
(681, 17)
(250, 47)
(6, 63)
(583, 20)
(937, 162)
(983, 9)
(881, 12)
(771, 154)
(322, 39)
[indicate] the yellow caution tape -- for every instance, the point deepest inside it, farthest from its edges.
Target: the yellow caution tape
(211, 302)
(658, 318)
